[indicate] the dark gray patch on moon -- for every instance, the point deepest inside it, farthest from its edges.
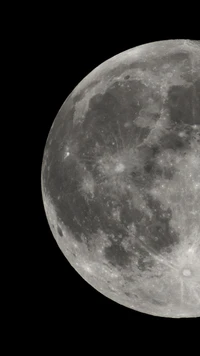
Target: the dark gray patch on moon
(120, 178)
(60, 231)
(117, 256)
(183, 104)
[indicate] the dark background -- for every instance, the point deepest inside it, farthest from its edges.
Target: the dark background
(63, 47)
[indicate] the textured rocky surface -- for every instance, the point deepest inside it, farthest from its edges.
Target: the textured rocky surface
(121, 178)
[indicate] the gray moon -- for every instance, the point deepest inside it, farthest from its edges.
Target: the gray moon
(120, 178)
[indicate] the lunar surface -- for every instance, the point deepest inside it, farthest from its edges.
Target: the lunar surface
(121, 178)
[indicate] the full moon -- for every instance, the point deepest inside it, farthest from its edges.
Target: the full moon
(120, 178)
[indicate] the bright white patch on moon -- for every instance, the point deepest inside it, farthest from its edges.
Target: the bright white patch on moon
(187, 272)
(66, 154)
(119, 167)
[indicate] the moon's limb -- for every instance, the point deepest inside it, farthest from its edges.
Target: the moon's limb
(121, 178)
